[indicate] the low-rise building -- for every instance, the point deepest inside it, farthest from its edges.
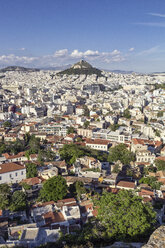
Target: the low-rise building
(12, 173)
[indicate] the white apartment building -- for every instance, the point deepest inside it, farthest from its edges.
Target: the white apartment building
(145, 156)
(117, 136)
(98, 144)
(12, 173)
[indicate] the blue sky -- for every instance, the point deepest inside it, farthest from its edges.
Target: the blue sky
(110, 34)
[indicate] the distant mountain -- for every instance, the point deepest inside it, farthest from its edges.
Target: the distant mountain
(56, 68)
(82, 67)
(120, 71)
(18, 68)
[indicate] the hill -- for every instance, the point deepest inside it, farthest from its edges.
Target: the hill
(82, 67)
(18, 68)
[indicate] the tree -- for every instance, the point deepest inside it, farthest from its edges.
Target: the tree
(4, 196)
(127, 114)
(125, 216)
(151, 181)
(34, 144)
(71, 130)
(18, 201)
(70, 153)
(54, 189)
(86, 124)
(120, 152)
(31, 170)
(16, 146)
(157, 132)
(77, 189)
(160, 164)
(7, 124)
(160, 113)
(129, 172)
(114, 127)
(116, 168)
(26, 138)
(86, 111)
(26, 186)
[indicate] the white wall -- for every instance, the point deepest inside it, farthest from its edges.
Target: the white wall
(13, 177)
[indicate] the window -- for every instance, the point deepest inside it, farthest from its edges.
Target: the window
(0, 178)
(21, 172)
(16, 174)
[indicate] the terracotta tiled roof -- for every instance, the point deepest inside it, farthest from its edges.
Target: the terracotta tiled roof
(160, 158)
(147, 199)
(146, 192)
(95, 211)
(97, 141)
(53, 217)
(162, 180)
(8, 156)
(146, 142)
(126, 184)
(160, 174)
(32, 181)
(9, 167)
(40, 204)
(67, 201)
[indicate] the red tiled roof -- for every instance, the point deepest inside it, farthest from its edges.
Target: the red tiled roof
(126, 184)
(95, 211)
(8, 156)
(32, 181)
(97, 141)
(146, 142)
(147, 199)
(67, 201)
(113, 190)
(53, 217)
(162, 180)
(160, 158)
(40, 204)
(9, 167)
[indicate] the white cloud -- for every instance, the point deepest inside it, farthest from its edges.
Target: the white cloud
(149, 51)
(76, 54)
(152, 24)
(61, 53)
(91, 53)
(11, 58)
(115, 52)
(22, 48)
(61, 57)
(157, 14)
(131, 49)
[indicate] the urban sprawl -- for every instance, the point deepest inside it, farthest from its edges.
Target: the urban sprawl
(67, 140)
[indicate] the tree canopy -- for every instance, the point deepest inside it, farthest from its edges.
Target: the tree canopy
(54, 189)
(71, 130)
(31, 170)
(125, 216)
(18, 201)
(151, 181)
(77, 189)
(70, 152)
(120, 152)
(127, 114)
(7, 124)
(4, 196)
(86, 124)
(160, 165)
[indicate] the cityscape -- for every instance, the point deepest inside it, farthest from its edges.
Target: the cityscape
(82, 131)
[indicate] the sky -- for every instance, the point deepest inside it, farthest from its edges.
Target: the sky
(109, 34)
